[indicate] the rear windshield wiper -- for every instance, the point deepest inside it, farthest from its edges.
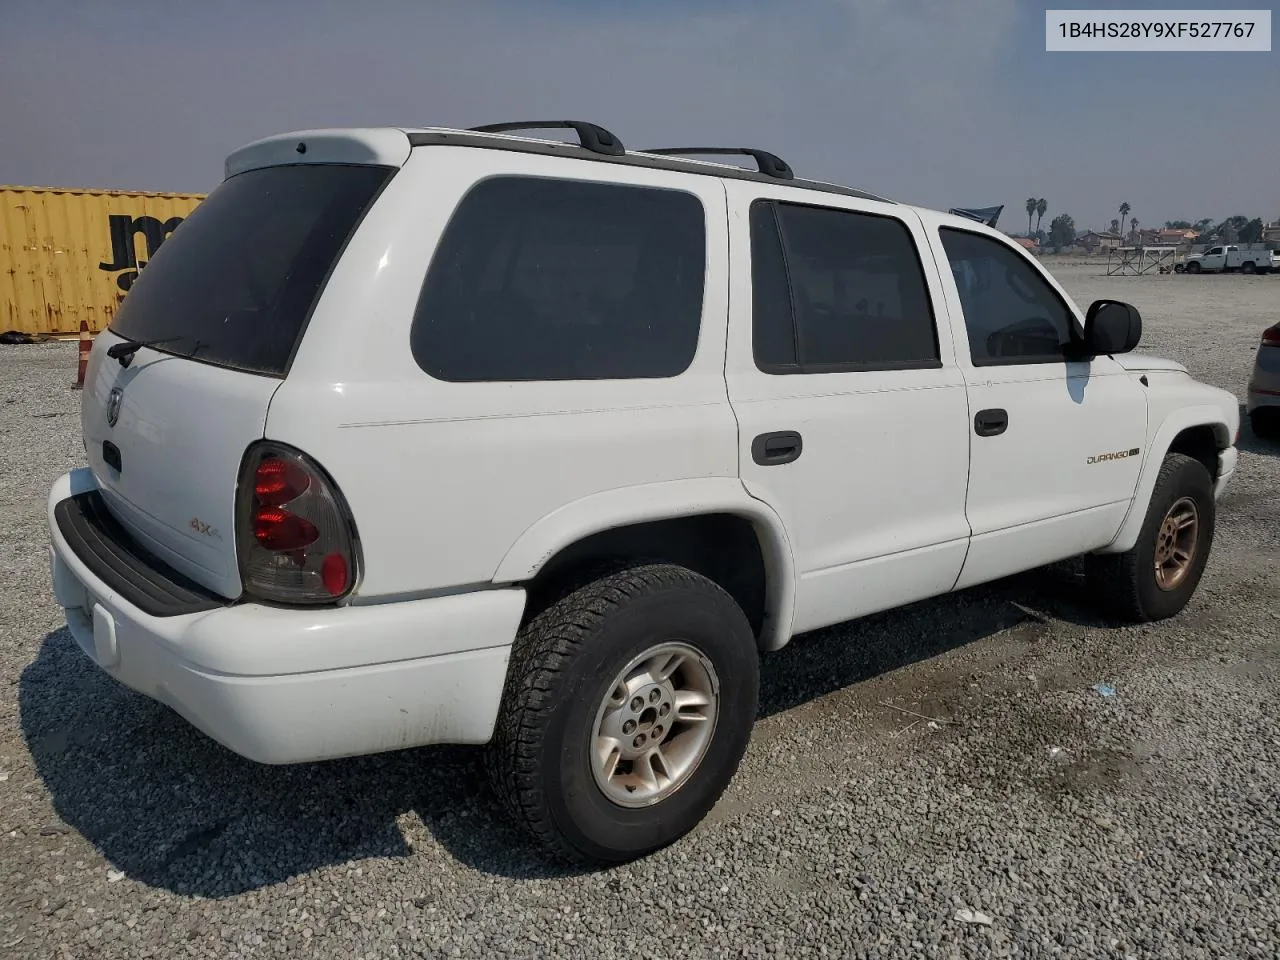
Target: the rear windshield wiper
(125, 350)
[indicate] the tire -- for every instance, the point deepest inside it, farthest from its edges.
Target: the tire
(1265, 422)
(1193, 267)
(1127, 584)
(1249, 267)
(565, 665)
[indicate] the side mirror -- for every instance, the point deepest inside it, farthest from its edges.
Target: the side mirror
(1112, 326)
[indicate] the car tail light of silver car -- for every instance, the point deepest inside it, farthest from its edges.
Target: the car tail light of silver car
(295, 536)
(1271, 336)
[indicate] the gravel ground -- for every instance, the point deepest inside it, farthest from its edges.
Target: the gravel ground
(1142, 824)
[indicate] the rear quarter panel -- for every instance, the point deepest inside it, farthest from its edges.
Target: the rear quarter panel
(443, 478)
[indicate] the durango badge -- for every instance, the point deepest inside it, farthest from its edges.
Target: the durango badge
(1119, 455)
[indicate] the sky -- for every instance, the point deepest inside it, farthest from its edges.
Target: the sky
(936, 102)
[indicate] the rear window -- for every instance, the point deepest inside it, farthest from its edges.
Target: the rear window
(234, 285)
(543, 279)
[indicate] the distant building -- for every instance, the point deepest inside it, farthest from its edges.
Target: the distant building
(1095, 240)
(1167, 238)
(1271, 232)
(1027, 242)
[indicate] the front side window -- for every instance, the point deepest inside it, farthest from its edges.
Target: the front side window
(1011, 313)
(837, 290)
(544, 279)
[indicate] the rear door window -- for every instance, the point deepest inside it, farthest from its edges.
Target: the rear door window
(235, 283)
(545, 279)
(837, 291)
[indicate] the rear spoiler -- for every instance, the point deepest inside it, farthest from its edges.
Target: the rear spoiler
(987, 215)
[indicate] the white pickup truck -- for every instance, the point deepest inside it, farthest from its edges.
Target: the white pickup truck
(413, 436)
(1230, 258)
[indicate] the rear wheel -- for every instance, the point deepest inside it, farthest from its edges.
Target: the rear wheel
(1157, 577)
(1249, 267)
(628, 707)
(1265, 422)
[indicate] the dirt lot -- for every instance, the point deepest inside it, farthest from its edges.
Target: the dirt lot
(1143, 824)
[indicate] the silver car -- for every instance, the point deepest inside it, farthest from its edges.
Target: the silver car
(1263, 404)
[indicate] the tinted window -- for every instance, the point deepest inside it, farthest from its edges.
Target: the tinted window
(236, 281)
(539, 279)
(1010, 311)
(773, 334)
(837, 290)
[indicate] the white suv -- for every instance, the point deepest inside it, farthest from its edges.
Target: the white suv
(446, 436)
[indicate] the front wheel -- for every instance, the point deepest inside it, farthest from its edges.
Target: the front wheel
(1193, 267)
(1157, 577)
(628, 707)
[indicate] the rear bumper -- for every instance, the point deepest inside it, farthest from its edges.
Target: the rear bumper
(293, 685)
(1264, 381)
(1264, 391)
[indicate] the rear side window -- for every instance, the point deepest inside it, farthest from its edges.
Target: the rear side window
(235, 283)
(543, 279)
(837, 290)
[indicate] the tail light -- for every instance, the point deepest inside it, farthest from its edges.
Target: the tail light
(295, 535)
(1271, 336)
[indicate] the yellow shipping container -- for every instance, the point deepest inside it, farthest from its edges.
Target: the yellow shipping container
(68, 255)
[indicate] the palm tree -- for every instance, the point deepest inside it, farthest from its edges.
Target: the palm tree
(1124, 212)
(1041, 206)
(1031, 210)
(1115, 227)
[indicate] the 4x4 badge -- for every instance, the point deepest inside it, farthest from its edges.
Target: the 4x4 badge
(113, 406)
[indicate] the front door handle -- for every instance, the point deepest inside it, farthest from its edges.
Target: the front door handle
(772, 449)
(989, 423)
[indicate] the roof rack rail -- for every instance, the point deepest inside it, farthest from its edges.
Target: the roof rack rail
(590, 136)
(553, 148)
(769, 164)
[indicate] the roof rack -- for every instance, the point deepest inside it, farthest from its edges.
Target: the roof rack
(769, 164)
(590, 136)
(479, 139)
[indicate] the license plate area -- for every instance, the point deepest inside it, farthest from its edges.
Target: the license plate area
(111, 456)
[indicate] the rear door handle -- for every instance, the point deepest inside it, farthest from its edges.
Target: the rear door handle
(772, 449)
(989, 423)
